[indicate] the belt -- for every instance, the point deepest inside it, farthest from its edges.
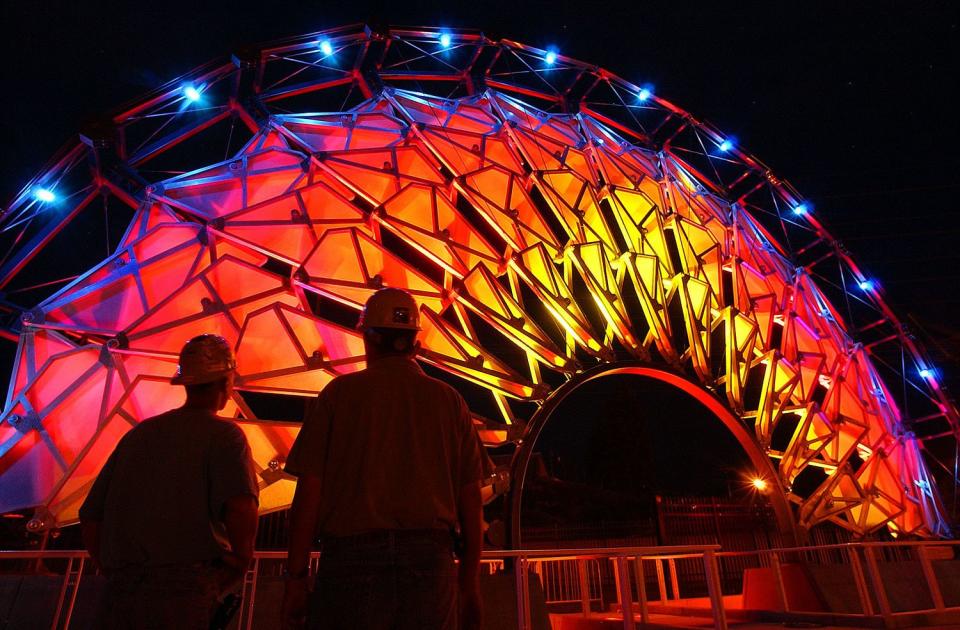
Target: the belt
(389, 536)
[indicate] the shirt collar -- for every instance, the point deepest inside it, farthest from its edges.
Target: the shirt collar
(396, 363)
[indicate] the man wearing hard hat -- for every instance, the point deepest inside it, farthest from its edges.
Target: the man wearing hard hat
(388, 466)
(172, 516)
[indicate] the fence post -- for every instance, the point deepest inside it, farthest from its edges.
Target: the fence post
(713, 587)
(778, 578)
(641, 590)
(63, 594)
(584, 586)
(249, 578)
(523, 594)
(931, 578)
(624, 592)
(881, 593)
(866, 604)
(674, 584)
(73, 596)
(661, 582)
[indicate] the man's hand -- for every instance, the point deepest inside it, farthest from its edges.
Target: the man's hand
(230, 574)
(294, 610)
(471, 607)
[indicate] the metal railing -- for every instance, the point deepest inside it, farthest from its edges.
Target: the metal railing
(572, 576)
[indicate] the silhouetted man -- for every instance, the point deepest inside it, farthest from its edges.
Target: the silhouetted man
(172, 516)
(388, 466)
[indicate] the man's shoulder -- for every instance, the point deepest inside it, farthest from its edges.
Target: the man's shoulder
(199, 421)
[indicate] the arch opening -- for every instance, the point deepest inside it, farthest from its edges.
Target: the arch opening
(601, 441)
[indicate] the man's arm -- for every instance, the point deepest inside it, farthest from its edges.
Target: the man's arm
(240, 520)
(90, 535)
(470, 512)
(93, 509)
(303, 523)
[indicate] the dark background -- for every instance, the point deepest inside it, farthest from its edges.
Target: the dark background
(855, 104)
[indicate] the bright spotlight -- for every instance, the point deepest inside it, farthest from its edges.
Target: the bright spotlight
(866, 285)
(759, 484)
(726, 145)
(926, 373)
(326, 47)
(551, 57)
(800, 209)
(445, 40)
(643, 94)
(192, 93)
(45, 195)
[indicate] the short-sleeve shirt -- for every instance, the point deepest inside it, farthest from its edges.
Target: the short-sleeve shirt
(160, 495)
(392, 446)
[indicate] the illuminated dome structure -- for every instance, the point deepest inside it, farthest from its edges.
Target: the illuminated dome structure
(555, 221)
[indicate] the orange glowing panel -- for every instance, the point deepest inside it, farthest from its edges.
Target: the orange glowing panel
(281, 349)
(348, 266)
(504, 202)
(430, 221)
(451, 350)
(235, 184)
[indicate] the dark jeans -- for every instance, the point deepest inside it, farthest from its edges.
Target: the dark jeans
(395, 580)
(166, 597)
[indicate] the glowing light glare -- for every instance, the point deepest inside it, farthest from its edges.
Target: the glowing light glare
(445, 40)
(926, 373)
(759, 484)
(726, 145)
(551, 57)
(45, 195)
(191, 93)
(643, 94)
(326, 47)
(801, 209)
(866, 285)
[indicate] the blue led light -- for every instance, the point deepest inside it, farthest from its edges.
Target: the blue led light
(643, 94)
(926, 373)
(192, 93)
(726, 145)
(445, 40)
(551, 57)
(45, 195)
(801, 209)
(326, 47)
(866, 285)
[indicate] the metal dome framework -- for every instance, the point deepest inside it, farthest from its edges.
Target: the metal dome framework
(548, 215)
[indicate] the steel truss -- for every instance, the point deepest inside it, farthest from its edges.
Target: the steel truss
(550, 217)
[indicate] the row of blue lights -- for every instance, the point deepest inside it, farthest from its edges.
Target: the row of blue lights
(193, 94)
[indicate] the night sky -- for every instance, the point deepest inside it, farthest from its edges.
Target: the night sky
(855, 105)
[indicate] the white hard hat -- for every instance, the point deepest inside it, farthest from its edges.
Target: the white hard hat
(204, 359)
(390, 308)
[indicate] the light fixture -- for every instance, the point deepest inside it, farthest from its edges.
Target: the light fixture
(801, 209)
(445, 40)
(191, 93)
(326, 47)
(551, 57)
(45, 195)
(726, 145)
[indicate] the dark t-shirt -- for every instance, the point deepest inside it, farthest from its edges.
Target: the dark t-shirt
(161, 493)
(393, 448)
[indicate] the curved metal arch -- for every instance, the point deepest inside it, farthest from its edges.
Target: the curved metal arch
(521, 459)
